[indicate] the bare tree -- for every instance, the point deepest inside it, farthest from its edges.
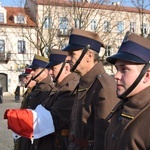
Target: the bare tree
(142, 7)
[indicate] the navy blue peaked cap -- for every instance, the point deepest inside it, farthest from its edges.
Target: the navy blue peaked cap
(79, 39)
(56, 57)
(39, 62)
(134, 48)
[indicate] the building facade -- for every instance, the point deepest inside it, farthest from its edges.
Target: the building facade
(45, 24)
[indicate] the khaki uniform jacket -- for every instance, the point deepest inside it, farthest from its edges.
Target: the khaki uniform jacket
(130, 124)
(39, 93)
(34, 98)
(60, 105)
(96, 96)
(27, 92)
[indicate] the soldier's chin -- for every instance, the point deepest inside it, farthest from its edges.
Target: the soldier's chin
(119, 93)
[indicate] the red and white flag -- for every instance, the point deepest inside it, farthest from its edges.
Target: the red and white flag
(29, 123)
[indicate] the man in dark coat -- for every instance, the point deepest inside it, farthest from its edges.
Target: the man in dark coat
(17, 93)
(54, 131)
(40, 91)
(96, 94)
(129, 127)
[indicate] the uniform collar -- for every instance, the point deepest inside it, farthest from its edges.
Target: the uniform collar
(90, 76)
(136, 103)
(139, 100)
(69, 81)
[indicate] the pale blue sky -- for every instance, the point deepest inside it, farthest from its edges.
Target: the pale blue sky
(12, 2)
(18, 3)
(21, 2)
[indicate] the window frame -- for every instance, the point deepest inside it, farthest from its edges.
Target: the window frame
(21, 46)
(133, 26)
(1, 17)
(120, 26)
(2, 46)
(47, 22)
(93, 25)
(20, 19)
(63, 25)
(106, 26)
(144, 28)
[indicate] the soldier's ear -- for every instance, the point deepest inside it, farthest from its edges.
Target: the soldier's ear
(89, 55)
(147, 76)
(67, 67)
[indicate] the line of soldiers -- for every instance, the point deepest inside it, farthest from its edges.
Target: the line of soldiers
(72, 104)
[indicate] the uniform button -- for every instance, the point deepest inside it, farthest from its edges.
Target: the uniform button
(99, 75)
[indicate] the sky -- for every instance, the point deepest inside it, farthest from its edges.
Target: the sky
(18, 3)
(12, 3)
(21, 2)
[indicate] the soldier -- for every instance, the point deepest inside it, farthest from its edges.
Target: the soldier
(129, 127)
(28, 83)
(44, 83)
(43, 87)
(96, 94)
(55, 128)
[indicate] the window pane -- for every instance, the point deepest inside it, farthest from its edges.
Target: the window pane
(93, 25)
(21, 46)
(20, 19)
(47, 22)
(63, 23)
(1, 17)
(144, 28)
(132, 26)
(2, 46)
(108, 50)
(106, 26)
(63, 26)
(120, 26)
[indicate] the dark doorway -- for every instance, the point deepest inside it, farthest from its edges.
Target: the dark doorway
(3, 81)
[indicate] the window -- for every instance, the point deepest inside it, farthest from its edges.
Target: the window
(1, 17)
(144, 29)
(47, 22)
(108, 51)
(78, 23)
(21, 46)
(2, 46)
(106, 26)
(93, 25)
(120, 27)
(20, 19)
(46, 51)
(63, 26)
(132, 26)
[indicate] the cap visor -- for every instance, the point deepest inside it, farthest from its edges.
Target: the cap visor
(51, 64)
(125, 57)
(23, 74)
(73, 47)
